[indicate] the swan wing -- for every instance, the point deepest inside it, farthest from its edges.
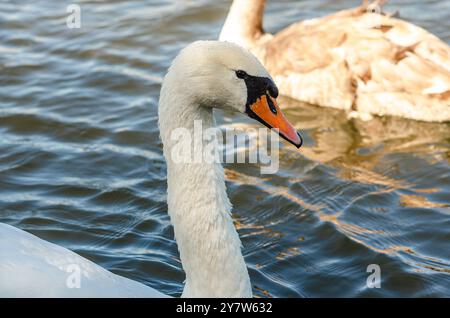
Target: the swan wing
(32, 267)
(358, 60)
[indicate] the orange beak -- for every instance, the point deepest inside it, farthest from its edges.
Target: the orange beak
(266, 111)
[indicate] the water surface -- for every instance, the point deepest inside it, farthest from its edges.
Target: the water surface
(81, 162)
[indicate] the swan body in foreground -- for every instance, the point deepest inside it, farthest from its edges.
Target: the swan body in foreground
(32, 267)
(204, 75)
(359, 60)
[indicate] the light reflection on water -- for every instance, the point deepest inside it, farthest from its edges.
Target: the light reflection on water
(81, 162)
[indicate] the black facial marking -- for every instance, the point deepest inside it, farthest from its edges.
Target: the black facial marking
(256, 87)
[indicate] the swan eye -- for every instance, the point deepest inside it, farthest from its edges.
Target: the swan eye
(241, 74)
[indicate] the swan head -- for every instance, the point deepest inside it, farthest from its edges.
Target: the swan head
(226, 76)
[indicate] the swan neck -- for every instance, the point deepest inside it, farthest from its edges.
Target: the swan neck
(244, 23)
(198, 206)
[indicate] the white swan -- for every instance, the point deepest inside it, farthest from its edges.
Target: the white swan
(204, 75)
(359, 60)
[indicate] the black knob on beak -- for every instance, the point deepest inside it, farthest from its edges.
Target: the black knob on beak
(272, 89)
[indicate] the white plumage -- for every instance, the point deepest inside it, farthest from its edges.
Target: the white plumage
(203, 76)
(32, 267)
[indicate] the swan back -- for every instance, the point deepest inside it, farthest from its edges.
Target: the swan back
(32, 267)
(361, 61)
